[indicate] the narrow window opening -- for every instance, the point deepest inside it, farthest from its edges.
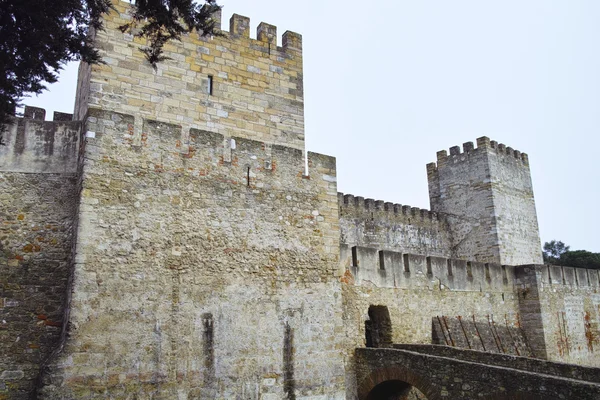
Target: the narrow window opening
(248, 177)
(354, 257)
(429, 270)
(469, 270)
(449, 267)
(232, 144)
(381, 260)
(210, 85)
(406, 260)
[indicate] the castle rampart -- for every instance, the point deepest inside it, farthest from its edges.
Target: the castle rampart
(219, 229)
(389, 269)
(33, 145)
(395, 227)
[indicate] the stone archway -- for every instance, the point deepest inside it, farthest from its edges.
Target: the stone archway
(395, 390)
(395, 383)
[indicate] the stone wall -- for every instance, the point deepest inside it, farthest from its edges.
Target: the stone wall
(232, 85)
(569, 311)
(34, 145)
(38, 198)
(395, 227)
(202, 271)
(419, 291)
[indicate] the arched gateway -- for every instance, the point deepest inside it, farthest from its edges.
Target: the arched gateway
(394, 383)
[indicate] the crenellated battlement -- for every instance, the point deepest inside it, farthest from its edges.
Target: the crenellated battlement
(391, 269)
(358, 204)
(34, 145)
(484, 145)
(239, 27)
(557, 275)
(231, 84)
(168, 148)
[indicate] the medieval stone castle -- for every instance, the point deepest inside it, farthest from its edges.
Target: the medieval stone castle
(167, 242)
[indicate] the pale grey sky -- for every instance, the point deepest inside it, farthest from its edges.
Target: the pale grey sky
(389, 83)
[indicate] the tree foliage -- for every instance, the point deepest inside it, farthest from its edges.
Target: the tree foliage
(37, 37)
(553, 250)
(557, 253)
(581, 258)
(162, 21)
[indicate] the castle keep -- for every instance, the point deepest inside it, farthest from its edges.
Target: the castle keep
(167, 241)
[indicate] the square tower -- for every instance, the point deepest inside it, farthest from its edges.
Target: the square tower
(488, 197)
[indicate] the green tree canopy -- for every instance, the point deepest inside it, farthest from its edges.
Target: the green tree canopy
(37, 37)
(553, 250)
(580, 258)
(557, 253)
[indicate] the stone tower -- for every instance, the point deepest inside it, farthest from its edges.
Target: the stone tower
(205, 253)
(488, 196)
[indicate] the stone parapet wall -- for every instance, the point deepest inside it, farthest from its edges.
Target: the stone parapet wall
(230, 84)
(33, 145)
(563, 370)
(389, 269)
(394, 227)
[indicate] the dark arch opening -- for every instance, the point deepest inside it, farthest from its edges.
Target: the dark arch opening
(395, 390)
(378, 329)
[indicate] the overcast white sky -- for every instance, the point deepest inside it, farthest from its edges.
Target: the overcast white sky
(389, 83)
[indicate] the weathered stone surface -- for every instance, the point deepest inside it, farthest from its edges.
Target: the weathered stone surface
(169, 235)
(177, 241)
(476, 375)
(36, 229)
(249, 98)
(488, 197)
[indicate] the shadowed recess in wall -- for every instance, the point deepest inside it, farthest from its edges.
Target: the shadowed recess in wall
(378, 328)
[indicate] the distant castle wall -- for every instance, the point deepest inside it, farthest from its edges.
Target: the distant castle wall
(394, 227)
(38, 199)
(233, 85)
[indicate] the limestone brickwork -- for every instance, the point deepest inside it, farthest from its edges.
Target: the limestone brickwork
(173, 239)
(230, 84)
